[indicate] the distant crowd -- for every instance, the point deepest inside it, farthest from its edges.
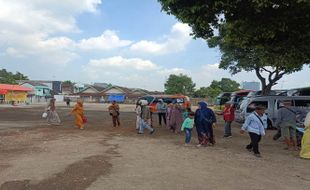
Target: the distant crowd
(178, 119)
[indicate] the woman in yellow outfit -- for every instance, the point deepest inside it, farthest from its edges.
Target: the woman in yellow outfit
(305, 143)
(78, 112)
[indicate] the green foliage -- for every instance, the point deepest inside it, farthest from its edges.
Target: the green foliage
(68, 82)
(225, 85)
(179, 84)
(10, 78)
(216, 87)
(269, 36)
(207, 92)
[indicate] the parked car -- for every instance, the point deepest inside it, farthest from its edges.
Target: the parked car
(222, 98)
(153, 100)
(238, 96)
(271, 93)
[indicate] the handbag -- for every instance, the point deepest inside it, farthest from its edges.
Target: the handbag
(84, 119)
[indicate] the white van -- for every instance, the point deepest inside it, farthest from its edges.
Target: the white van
(272, 106)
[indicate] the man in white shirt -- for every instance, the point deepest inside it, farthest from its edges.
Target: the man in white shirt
(255, 124)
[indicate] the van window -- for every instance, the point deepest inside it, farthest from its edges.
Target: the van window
(253, 104)
(302, 103)
(149, 99)
(278, 103)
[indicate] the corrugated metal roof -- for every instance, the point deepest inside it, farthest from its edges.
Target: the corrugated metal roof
(12, 87)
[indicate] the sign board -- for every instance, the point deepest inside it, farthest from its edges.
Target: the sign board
(116, 97)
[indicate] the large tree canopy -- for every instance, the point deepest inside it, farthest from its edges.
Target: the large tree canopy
(179, 84)
(269, 36)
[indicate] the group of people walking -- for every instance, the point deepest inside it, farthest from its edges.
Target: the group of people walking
(52, 116)
(256, 124)
(178, 119)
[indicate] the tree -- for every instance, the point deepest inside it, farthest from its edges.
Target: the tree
(207, 92)
(216, 87)
(10, 78)
(225, 85)
(68, 82)
(179, 84)
(253, 35)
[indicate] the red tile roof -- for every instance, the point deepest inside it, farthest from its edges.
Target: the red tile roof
(12, 87)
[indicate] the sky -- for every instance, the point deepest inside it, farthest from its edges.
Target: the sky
(127, 43)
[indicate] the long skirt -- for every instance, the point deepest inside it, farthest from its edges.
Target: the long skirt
(202, 135)
(53, 118)
(138, 122)
(205, 134)
(79, 121)
(305, 145)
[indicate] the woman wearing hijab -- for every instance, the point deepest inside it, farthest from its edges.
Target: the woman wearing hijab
(305, 144)
(176, 118)
(168, 115)
(138, 113)
(52, 116)
(78, 112)
(204, 120)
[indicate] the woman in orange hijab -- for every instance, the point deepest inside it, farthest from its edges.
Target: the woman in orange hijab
(78, 112)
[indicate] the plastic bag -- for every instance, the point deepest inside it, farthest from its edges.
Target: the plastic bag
(44, 115)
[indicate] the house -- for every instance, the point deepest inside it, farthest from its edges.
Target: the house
(115, 93)
(40, 92)
(92, 94)
(123, 94)
(78, 87)
(54, 86)
(13, 93)
(103, 85)
(67, 88)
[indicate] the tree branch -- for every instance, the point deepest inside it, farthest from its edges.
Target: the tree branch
(266, 70)
(260, 77)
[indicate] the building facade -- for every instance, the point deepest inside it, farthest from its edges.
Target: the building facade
(250, 86)
(13, 93)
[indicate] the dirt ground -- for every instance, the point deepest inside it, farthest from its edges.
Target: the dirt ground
(36, 156)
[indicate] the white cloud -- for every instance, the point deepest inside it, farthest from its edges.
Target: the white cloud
(166, 72)
(26, 28)
(131, 72)
(108, 40)
(121, 63)
(176, 41)
(47, 16)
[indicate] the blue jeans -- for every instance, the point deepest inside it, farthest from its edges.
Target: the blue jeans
(227, 126)
(188, 135)
(144, 125)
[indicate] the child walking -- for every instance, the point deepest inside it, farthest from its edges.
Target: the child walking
(187, 126)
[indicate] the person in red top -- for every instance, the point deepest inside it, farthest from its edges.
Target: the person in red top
(229, 116)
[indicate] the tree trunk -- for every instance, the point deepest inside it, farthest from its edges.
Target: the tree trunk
(273, 77)
(266, 90)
